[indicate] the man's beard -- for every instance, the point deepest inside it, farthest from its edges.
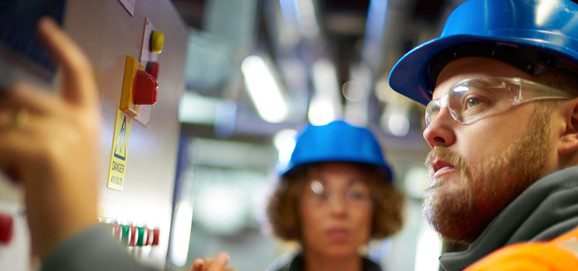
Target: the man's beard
(461, 211)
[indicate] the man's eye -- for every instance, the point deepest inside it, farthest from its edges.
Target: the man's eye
(472, 102)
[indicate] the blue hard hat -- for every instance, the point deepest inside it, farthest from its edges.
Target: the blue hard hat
(547, 30)
(337, 141)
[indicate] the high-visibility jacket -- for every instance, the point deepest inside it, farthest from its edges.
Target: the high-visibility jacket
(558, 254)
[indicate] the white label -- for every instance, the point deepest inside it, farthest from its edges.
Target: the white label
(128, 5)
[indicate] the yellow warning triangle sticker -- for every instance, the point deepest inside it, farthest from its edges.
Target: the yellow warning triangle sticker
(118, 151)
(120, 147)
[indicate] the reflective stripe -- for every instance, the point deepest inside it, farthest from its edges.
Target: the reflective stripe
(570, 245)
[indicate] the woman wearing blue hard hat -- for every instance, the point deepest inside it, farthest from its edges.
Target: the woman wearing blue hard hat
(334, 196)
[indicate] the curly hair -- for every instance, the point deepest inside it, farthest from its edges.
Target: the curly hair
(283, 206)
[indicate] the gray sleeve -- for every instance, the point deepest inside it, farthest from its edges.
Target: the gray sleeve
(92, 250)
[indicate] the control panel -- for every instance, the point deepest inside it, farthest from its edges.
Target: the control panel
(139, 68)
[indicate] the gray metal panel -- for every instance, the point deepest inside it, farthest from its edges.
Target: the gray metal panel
(107, 33)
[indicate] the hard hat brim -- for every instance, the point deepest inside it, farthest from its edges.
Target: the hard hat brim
(288, 170)
(411, 75)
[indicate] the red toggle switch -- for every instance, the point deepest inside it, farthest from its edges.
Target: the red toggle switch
(133, 236)
(150, 237)
(116, 232)
(145, 88)
(153, 69)
(156, 236)
(6, 229)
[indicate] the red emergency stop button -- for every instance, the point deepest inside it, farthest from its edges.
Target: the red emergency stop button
(153, 69)
(145, 88)
(6, 229)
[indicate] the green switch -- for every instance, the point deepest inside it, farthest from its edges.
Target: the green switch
(141, 237)
(125, 234)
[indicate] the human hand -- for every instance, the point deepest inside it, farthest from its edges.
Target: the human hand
(208, 264)
(49, 142)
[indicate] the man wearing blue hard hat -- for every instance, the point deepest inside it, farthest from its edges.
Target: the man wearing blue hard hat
(333, 197)
(500, 87)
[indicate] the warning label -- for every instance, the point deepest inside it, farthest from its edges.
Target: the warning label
(117, 168)
(120, 146)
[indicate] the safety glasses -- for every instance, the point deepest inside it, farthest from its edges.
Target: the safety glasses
(476, 98)
(318, 195)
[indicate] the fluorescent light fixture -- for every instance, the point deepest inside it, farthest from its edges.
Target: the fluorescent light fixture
(321, 111)
(284, 141)
(396, 119)
(182, 233)
(325, 104)
(264, 89)
(398, 124)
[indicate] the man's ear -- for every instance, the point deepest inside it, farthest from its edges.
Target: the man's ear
(568, 142)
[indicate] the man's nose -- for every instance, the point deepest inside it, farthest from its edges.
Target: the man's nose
(439, 132)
